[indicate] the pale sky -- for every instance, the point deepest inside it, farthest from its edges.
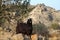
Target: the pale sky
(52, 3)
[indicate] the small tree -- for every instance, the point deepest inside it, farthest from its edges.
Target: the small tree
(0, 4)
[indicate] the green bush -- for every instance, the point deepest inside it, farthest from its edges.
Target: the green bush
(55, 26)
(2, 20)
(40, 29)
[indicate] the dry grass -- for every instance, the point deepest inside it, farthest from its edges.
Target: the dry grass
(8, 35)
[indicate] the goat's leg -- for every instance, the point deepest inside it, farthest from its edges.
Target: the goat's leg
(30, 37)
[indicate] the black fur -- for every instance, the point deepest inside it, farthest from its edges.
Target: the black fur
(24, 28)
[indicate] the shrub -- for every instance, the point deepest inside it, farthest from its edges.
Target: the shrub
(55, 26)
(40, 29)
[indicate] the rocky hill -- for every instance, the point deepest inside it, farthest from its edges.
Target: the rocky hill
(41, 15)
(44, 14)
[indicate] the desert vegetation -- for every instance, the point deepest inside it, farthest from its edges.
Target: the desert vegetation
(45, 20)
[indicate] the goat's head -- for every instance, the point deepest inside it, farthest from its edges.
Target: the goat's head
(29, 21)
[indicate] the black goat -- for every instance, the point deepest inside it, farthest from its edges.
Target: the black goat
(24, 28)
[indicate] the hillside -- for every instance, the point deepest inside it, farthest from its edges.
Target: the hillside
(43, 18)
(44, 14)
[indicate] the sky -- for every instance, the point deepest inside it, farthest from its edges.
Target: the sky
(52, 3)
